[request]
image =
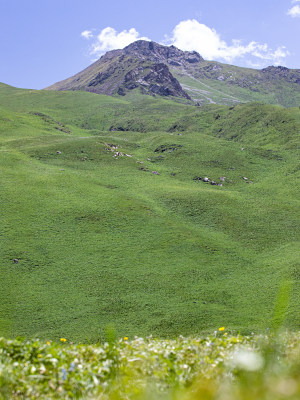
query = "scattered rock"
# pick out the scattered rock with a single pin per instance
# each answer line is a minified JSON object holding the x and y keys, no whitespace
{"x":58,"y":152}
{"x":111,"y":146}
{"x":207,"y":180}
{"x":155,"y":173}
{"x":173,"y":174}
{"x":16,"y":260}
{"x":245,"y":179}
{"x":118,"y":128}
{"x":169,"y":148}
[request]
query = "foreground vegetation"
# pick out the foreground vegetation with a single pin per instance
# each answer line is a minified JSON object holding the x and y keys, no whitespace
{"x":220,"y":367}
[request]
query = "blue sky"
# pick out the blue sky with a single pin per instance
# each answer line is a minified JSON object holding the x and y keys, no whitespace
{"x":44,"y":41}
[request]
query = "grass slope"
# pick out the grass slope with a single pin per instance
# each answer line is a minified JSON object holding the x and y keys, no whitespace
{"x":212,"y":82}
{"x":102,"y":240}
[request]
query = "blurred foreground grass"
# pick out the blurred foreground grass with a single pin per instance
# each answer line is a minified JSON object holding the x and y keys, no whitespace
{"x":220,"y":366}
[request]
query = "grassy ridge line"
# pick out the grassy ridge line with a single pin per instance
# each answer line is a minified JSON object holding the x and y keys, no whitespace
{"x":101,"y":241}
{"x":236,"y":85}
{"x":264,"y":125}
{"x":219,"y":366}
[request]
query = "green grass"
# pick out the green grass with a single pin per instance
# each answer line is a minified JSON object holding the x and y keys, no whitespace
{"x":102,"y":241}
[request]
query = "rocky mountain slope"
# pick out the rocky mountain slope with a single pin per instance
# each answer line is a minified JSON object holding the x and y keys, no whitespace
{"x":143,"y":65}
{"x":154,"y":69}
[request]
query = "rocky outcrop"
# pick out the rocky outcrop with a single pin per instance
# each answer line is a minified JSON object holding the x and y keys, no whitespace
{"x":280,"y":72}
{"x":155,"y":52}
{"x":155,"y":80}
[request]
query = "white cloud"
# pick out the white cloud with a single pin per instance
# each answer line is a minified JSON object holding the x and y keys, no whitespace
{"x":110,"y":39}
{"x":87,"y":34}
{"x":295,"y":1}
{"x":192,"y":35}
{"x":294,"y":11}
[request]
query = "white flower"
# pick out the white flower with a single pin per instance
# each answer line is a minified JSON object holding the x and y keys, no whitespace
{"x":248,"y":360}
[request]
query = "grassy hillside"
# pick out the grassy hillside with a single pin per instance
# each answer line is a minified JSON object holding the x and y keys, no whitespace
{"x":211,"y":82}
{"x":109,"y":223}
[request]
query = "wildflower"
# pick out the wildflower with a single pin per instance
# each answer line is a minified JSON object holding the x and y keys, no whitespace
{"x":125,"y":338}
{"x":222,"y":329}
{"x":63,"y":340}
{"x":64,"y":374}
{"x":72,"y":367}
{"x":48,"y":343}
{"x":248,"y":361}
{"x":225,"y":334}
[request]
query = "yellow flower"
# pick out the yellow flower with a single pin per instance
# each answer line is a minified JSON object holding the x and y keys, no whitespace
{"x":48,"y":343}
{"x":125,"y":338}
{"x":225,"y":334}
{"x":222,"y":328}
{"x":63,"y":340}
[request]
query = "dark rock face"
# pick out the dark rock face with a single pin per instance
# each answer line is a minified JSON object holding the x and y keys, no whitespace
{"x":100,"y":78}
{"x":167,"y":54}
{"x":282,"y":72}
{"x":155,"y":79}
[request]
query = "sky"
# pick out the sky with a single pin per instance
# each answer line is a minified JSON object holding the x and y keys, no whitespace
{"x":45,"y":41}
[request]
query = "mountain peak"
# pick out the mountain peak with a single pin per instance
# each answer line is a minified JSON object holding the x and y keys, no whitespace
{"x":156,"y":52}
{"x":141,"y":65}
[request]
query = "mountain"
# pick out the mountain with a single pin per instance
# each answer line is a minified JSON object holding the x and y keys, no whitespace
{"x":154,"y":69}
{"x":142,"y":64}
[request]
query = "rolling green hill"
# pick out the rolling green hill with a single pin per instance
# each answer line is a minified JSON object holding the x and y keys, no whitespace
{"x":107,"y":218}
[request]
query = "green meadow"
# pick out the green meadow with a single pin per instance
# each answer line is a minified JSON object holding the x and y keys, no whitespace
{"x":106,"y":220}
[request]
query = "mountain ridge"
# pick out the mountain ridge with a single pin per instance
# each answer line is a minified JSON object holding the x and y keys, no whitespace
{"x":185,"y":75}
